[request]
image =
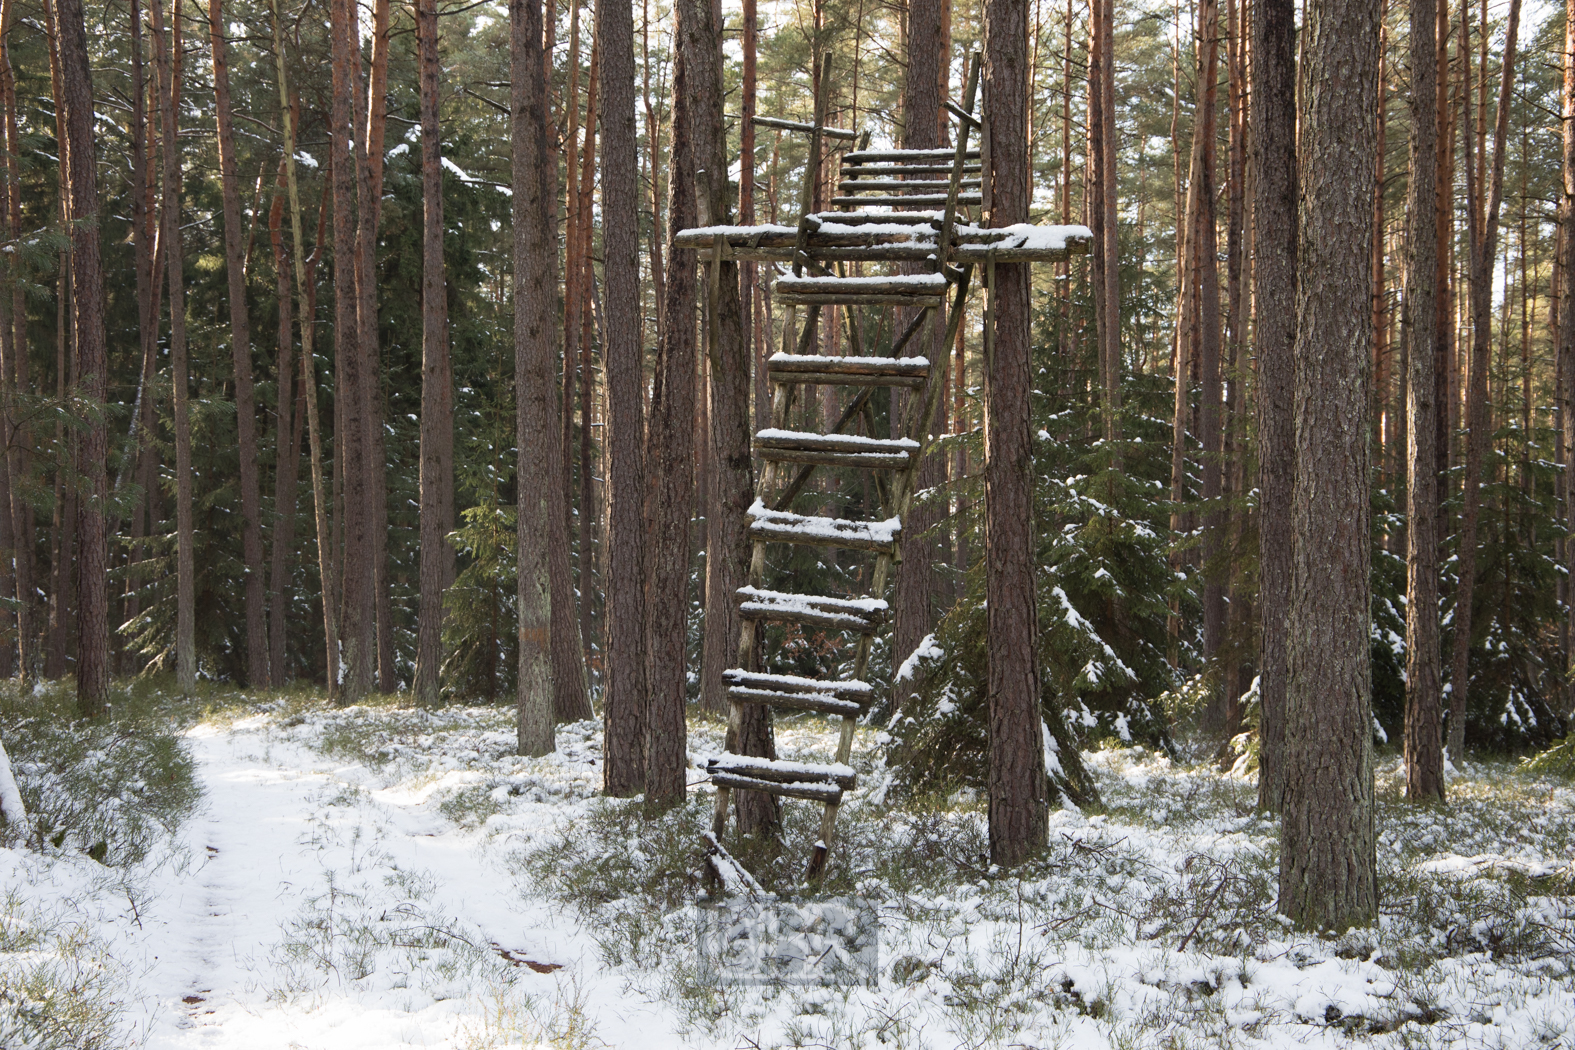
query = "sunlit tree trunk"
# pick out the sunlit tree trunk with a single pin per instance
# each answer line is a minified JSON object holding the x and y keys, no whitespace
{"x":169,"y":52}
{"x":1328,"y":866}
{"x":534,"y":352}
{"x":437,"y":398}
{"x":19,"y":509}
{"x":1017,"y":782}
{"x":1424,"y":701}
{"x":1484,"y":241}
{"x":1273,"y":144}
{"x":670,"y":497}
{"x":287,"y":446}
{"x":626,"y":686}
{"x":241,"y":354}
{"x":1566,"y":327}
{"x":359,"y":616}
{"x":308,"y":300}
{"x":370,"y":123}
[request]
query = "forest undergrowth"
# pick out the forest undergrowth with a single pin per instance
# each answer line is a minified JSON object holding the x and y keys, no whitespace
{"x":1150,"y":921}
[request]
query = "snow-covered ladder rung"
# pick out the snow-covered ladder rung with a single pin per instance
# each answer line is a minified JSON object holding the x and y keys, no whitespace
{"x":780,"y":526}
{"x":835,"y":450}
{"x":861,"y":615}
{"x":848,"y":371}
{"x":917,"y":200}
{"x":807,"y":792}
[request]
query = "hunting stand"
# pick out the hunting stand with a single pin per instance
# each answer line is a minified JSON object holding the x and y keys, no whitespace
{"x":919,"y":207}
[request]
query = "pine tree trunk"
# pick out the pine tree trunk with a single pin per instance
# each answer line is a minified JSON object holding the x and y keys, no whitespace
{"x":185,"y":603}
{"x":670,"y":496}
{"x":351,"y":453}
{"x":437,"y":399}
{"x":570,"y":700}
{"x":590,"y":496}
{"x":1105,"y":263}
{"x":921,"y":110}
{"x":1273,"y":143}
{"x":20,"y":511}
{"x":1018,"y":787}
{"x":1566,"y":326}
{"x":534,"y":353}
{"x":370,"y":123}
{"x":1484,"y":240}
{"x":241,"y":353}
{"x":287,"y":451}
{"x":307,"y":298}
{"x":87,"y":304}
{"x":1328,"y":867}
{"x":1424,"y":701}
{"x":626,"y":686}
{"x":1205,"y":252}
{"x":726,"y":567}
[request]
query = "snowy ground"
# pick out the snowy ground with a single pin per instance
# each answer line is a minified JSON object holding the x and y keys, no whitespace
{"x":385,"y":877}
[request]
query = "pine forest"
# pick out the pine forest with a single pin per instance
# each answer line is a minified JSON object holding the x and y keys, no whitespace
{"x":844,"y":523}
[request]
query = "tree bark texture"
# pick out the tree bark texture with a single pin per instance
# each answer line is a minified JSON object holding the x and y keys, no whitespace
{"x":1018,"y":789}
{"x":670,"y":494}
{"x":624,"y":709}
{"x":1273,"y":145}
{"x":168,"y":49}
{"x":21,"y":512}
{"x":1204,"y":244}
{"x":358,"y":595}
{"x":287,"y":443}
{"x":1105,"y":263}
{"x":1424,"y":701}
{"x":241,"y":354}
{"x":307,"y":300}
{"x":921,"y":110}
{"x":370,"y":123}
{"x":437,"y":397}
{"x":535,"y":354}
{"x":1328,"y":865}
{"x":1484,"y":244}
{"x":1566,"y":337}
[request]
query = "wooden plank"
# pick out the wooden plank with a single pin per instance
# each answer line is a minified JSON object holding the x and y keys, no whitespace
{"x":859,"y":692}
{"x":779,"y":772}
{"x":733,"y":876}
{"x":903,"y":185}
{"x":837,"y":613}
{"x":809,"y":792}
{"x":905,"y":169}
{"x":896,"y":284}
{"x":917,"y":200}
{"x":794,"y":125}
{"x":860,"y":460}
{"x":979,"y":253}
{"x":780,"y":527}
{"x":858,"y":299}
{"x":817,"y":702}
{"x":846,"y":379}
{"x":898,"y":367}
{"x":931,"y":220}
{"x":852,"y":443}
{"x":859,"y":156}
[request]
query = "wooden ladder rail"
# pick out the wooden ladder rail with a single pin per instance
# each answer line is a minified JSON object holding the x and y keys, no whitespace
{"x":781,"y":398}
{"x":917,"y":426}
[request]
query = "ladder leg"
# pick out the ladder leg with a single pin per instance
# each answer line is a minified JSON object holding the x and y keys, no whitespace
{"x":828,"y":816}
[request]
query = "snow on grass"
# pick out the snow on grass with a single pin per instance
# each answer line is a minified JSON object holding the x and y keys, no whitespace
{"x":386,"y":876}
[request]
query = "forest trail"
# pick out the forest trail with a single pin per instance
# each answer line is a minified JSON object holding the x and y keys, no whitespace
{"x":303,"y":877}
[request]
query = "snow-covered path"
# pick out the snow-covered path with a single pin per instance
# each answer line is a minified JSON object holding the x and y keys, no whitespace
{"x":298,"y":866}
{"x":358,"y":878}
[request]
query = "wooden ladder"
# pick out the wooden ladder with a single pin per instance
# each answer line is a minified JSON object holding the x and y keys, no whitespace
{"x":875,"y":222}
